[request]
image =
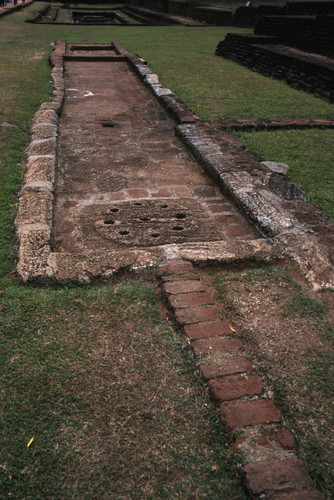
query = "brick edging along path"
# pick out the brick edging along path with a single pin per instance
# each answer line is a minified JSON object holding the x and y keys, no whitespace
{"x":272,"y":470}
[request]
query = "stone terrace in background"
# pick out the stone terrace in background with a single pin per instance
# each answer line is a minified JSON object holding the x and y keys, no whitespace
{"x":296,"y":48}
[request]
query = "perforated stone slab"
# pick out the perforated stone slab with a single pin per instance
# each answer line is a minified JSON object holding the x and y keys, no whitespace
{"x":146,"y":223}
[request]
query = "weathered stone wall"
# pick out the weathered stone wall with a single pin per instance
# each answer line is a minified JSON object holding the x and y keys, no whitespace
{"x":210,"y":15}
{"x":312,"y":34}
{"x":303,"y":72}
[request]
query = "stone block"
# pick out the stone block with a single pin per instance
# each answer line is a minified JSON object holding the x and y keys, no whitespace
{"x":243,"y":414}
{"x":40,"y":169}
{"x":225,"y":366}
{"x":35,"y":207}
{"x":236,"y":387}
{"x":174,"y":288}
{"x":184,"y":300}
{"x":218,"y":328}
{"x":175,"y":267}
{"x":42,"y":147}
{"x":216,"y":345}
{"x":191,"y":315}
{"x":275,"y":476}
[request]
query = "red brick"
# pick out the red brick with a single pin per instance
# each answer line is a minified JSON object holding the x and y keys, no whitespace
{"x":275,"y":476}
{"x":175,"y":267}
{"x":236,"y":387}
{"x":191,"y":315}
{"x":214,"y":345}
{"x":190,"y":299}
{"x":218,"y":328}
{"x":162,"y":193}
{"x":237,"y":230}
{"x":180,"y":277}
{"x":173,"y":288}
{"x":182,"y":191}
{"x":218,"y":206}
{"x":242,"y":414}
{"x":226,"y":219}
{"x":225,"y":366}
{"x":285,"y":439}
{"x":138,"y":193}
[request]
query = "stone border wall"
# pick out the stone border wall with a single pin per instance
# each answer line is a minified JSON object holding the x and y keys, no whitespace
{"x":264,"y":54}
{"x":35,"y":212}
{"x":210,"y":15}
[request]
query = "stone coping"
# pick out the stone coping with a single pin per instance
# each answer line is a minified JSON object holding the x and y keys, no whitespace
{"x":37,"y":261}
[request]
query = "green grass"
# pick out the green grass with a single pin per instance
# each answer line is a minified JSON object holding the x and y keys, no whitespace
{"x":106,"y":389}
{"x":310,"y":155}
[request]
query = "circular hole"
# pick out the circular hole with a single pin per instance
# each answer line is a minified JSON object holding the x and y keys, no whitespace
{"x":155,"y":235}
{"x":180,"y":216}
{"x":178,"y":228}
{"x":145,"y":219}
{"x":124,"y":232}
{"x":110,"y":221}
{"x":114,"y":210}
{"x":164,"y":206}
{"x":138,"y":204}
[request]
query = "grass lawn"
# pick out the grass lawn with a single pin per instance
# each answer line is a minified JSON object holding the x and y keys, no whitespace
{"x":97,"y":375}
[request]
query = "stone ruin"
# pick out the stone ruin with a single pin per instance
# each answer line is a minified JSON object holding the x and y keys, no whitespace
{"x":290,"y":46}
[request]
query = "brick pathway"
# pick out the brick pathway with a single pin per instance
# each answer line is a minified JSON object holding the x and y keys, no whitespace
{"x":273,"y":471}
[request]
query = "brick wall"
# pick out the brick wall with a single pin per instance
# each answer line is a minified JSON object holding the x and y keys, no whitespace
{"x":260,"y":54}
{"x":312,"y":34}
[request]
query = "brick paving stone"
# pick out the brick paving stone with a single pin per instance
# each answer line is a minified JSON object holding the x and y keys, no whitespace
{"x":214,"y":345}
{"x":190,"y":299}
{"x":180,"y":277}
{"x":173,"y":288}
{"x":218,"y":328}
{"x":236,"y":387}
{"x":182,"y":191}
{"x":217,"y":207}
{"x":227,"y":218}
{"x":191,"y":315}
{"x":162,"y":193}
{"x":275,"y":476}
{"x":138,"y":193}
{"x":225,"y":366}
{"x":174,"y":267}
{"x":237,"y":230}
{"x":243,"y":414}
{"x":285,"y":439}
{"x":117,"y":196}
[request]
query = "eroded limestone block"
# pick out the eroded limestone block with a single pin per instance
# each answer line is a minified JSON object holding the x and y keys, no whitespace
{"x":34,"y":252}
{"x":39,"y":147}
{"x":35,"y":207}
{"x":41,"y":169}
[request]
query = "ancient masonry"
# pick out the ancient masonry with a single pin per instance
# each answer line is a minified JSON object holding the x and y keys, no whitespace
{"x":109,"y":186}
